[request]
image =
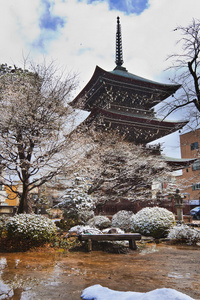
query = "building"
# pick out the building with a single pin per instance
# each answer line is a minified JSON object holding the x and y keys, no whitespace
{"x":8,"y":200}
{"x":122,"y":101}
{"x":190,"y":178}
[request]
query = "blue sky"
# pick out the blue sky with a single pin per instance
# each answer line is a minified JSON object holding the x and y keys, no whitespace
{"x":48,"y":20}
{"x":80,"y":34}
{"x":126,"y":6}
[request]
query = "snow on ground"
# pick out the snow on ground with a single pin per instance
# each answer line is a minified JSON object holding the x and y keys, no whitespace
{"x":98,"y":292}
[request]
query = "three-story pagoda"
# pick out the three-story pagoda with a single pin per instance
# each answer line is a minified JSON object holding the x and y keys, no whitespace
{"x":123,"y":101}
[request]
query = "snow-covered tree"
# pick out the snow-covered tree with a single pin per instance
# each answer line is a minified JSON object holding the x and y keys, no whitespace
{"x":119,"y":169}
{"x":33,"y":109}
{"x":76,"y":203}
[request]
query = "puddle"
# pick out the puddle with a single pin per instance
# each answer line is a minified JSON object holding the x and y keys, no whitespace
{"x":149,"y":249}
{"x":50,"y":276}
{"x":178,"y":275}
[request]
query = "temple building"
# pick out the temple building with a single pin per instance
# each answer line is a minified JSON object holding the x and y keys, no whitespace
{"x":119,"y":100}
{"x":123,"y":101}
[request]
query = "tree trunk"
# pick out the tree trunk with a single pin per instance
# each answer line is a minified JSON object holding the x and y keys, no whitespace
{"x":25,"y":203}
{"x":22,"y":203}
{"x":28,"y":207}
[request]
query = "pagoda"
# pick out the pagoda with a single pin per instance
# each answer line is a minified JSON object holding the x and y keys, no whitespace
{"x":124,"y":102}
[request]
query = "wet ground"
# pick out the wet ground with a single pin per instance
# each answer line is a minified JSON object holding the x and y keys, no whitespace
{"x":52,"y":276}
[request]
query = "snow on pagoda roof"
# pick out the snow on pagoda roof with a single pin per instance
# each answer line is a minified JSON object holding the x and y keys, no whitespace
{"x":125,"y":73}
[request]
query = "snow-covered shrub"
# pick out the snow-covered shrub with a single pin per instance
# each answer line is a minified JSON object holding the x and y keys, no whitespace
{"x":30,"y":227}
{"x":78,"y":206}
{"x":122,"y":219}
{"x":85,"y":215}
{"x":79,"y":229}
{"x":153,"y":221}
{"x":184,"y":234}
{"x":100,"y":222}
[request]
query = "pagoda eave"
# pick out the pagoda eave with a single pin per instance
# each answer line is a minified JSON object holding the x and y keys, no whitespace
{"x":128,"y":83}
{"x":137,"y":129}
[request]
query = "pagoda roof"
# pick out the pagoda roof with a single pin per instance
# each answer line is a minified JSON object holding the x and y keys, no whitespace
{"x":152,"y":92}
{"x":139,"y":129}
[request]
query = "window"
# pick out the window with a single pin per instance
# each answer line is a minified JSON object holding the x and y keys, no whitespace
{"x":196,"y":165}
{"x":195,"y":186}
{"x":194,"y":146}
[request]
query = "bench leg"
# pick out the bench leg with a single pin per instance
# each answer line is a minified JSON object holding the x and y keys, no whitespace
{"x":89,"y":245}
{"x":132,"y":245}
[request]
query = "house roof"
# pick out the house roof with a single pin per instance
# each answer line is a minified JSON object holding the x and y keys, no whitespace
{"x":178,"y":163}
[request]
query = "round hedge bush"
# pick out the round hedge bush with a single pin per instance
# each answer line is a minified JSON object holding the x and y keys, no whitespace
{"x":100,"y":222}
{"x":122,"y":219}
{"x":153,"y":221}
{"x":30,"y":228}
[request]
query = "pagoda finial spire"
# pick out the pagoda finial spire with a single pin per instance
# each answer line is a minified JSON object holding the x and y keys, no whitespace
{"x":119,"y":54}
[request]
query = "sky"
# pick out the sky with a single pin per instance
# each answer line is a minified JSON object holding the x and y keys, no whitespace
{"x":80,"y":34}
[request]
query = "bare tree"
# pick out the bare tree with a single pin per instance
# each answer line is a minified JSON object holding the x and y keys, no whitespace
{"x":33,"y":126}
{"x":186,"y":65}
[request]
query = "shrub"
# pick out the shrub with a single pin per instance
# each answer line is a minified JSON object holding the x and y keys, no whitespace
{"x":79,"y":229}
{"x":85,"y":215}
{"x":122,"y":219}
{"x":184,"y":234}
{"x":30,"y":228}
{"x":100,"y":222}
{"x":78,"y":206}
{"x":153,"y":221}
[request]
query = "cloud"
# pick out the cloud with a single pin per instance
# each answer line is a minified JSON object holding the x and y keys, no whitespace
{"x":82,"y":35}
{"x":49,"y":24}
{"x":79,"y":35}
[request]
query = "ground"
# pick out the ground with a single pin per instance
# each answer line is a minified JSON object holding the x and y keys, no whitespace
{"x":57,"y":275}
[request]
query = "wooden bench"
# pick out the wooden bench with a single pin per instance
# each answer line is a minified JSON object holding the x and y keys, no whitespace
{"x":131,"y":237}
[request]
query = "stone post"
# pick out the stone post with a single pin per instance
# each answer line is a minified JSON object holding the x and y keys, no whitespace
{"x":179,"y":206}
